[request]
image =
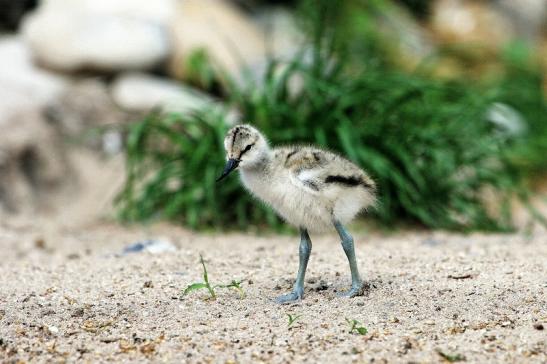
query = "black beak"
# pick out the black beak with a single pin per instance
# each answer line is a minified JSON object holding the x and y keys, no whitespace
{"x":231,"y":164}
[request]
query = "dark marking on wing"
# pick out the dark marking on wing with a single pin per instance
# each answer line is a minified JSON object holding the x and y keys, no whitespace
{"x":311,"y":185}
{"x":316,"y":156}
{"x":348,"y":181}
{"x":291,"y":153}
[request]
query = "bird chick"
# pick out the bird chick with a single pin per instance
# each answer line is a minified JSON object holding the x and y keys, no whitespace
{"x":310,"y":188}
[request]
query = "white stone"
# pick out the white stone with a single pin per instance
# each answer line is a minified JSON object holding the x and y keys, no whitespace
{"x":159,"y":11}
{"x":139,"y":92}
{"x":142,"y":92}
{"x":76,"y":35}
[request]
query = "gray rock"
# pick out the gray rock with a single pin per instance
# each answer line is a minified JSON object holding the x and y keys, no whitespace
{"x":138,"y":92}
{"x":142,"y":92}
{"x":152,"y":246}
{"x":87,"y":113}
{"x":230,"y":39}
{"x":33,"y":163}
{"x":22,"y":84}
{"x":84,"y":105}
{"x":527,"y":16}
{"x":236,"y":45}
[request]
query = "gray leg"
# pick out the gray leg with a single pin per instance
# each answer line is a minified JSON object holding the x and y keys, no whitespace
{"x":304,"y":256}
{"x":349,"y":249}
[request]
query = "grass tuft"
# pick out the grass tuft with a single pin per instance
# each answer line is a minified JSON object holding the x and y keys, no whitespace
{"x":211,"y":288}
{"x":431,"y":145}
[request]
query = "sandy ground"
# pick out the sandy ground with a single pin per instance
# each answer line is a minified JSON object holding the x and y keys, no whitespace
{"x":66,"y":295}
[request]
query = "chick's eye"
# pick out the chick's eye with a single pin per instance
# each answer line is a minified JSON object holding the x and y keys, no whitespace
{"x":247,"y":148}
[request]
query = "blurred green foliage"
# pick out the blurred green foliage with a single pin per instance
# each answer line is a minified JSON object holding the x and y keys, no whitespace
{"x":428,"y":143}
{"x":521,"y":89}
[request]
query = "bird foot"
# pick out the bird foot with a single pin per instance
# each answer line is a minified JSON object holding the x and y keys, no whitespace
{"x":356,"y":290}
{"x":290,"y":297}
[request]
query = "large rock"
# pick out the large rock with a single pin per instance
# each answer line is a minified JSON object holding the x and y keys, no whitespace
{"x":28,"y":165}
{"x":85,"y":105}
{"x":460,"y":21}
{"x":99,"y":35}
{"x":86,"y":112}
{"x":527,"y":16}
{"x":142,"y":93}
{"x":39,"y":112}
{"x":33,"y":164}
{"x":230,"y":39}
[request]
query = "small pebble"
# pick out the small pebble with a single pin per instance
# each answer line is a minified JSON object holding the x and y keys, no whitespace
{"x":40,"y":243}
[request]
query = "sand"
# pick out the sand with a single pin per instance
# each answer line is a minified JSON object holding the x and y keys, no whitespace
{"x":66,"y":295}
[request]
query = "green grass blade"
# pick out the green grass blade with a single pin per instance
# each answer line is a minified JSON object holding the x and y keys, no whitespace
{"x":194,"y":287}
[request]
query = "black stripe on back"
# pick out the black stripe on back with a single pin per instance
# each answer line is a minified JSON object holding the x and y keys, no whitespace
{"x":348,"y":181}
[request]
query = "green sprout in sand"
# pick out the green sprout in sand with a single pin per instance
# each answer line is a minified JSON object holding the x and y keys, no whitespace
{"x":292,"y":319}
{"x":355,"y":327}
{"x":211,"y":288}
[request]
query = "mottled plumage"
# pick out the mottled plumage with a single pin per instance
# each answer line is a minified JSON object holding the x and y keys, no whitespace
{"x":310,"y":188}
{"x":307,"y":186}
